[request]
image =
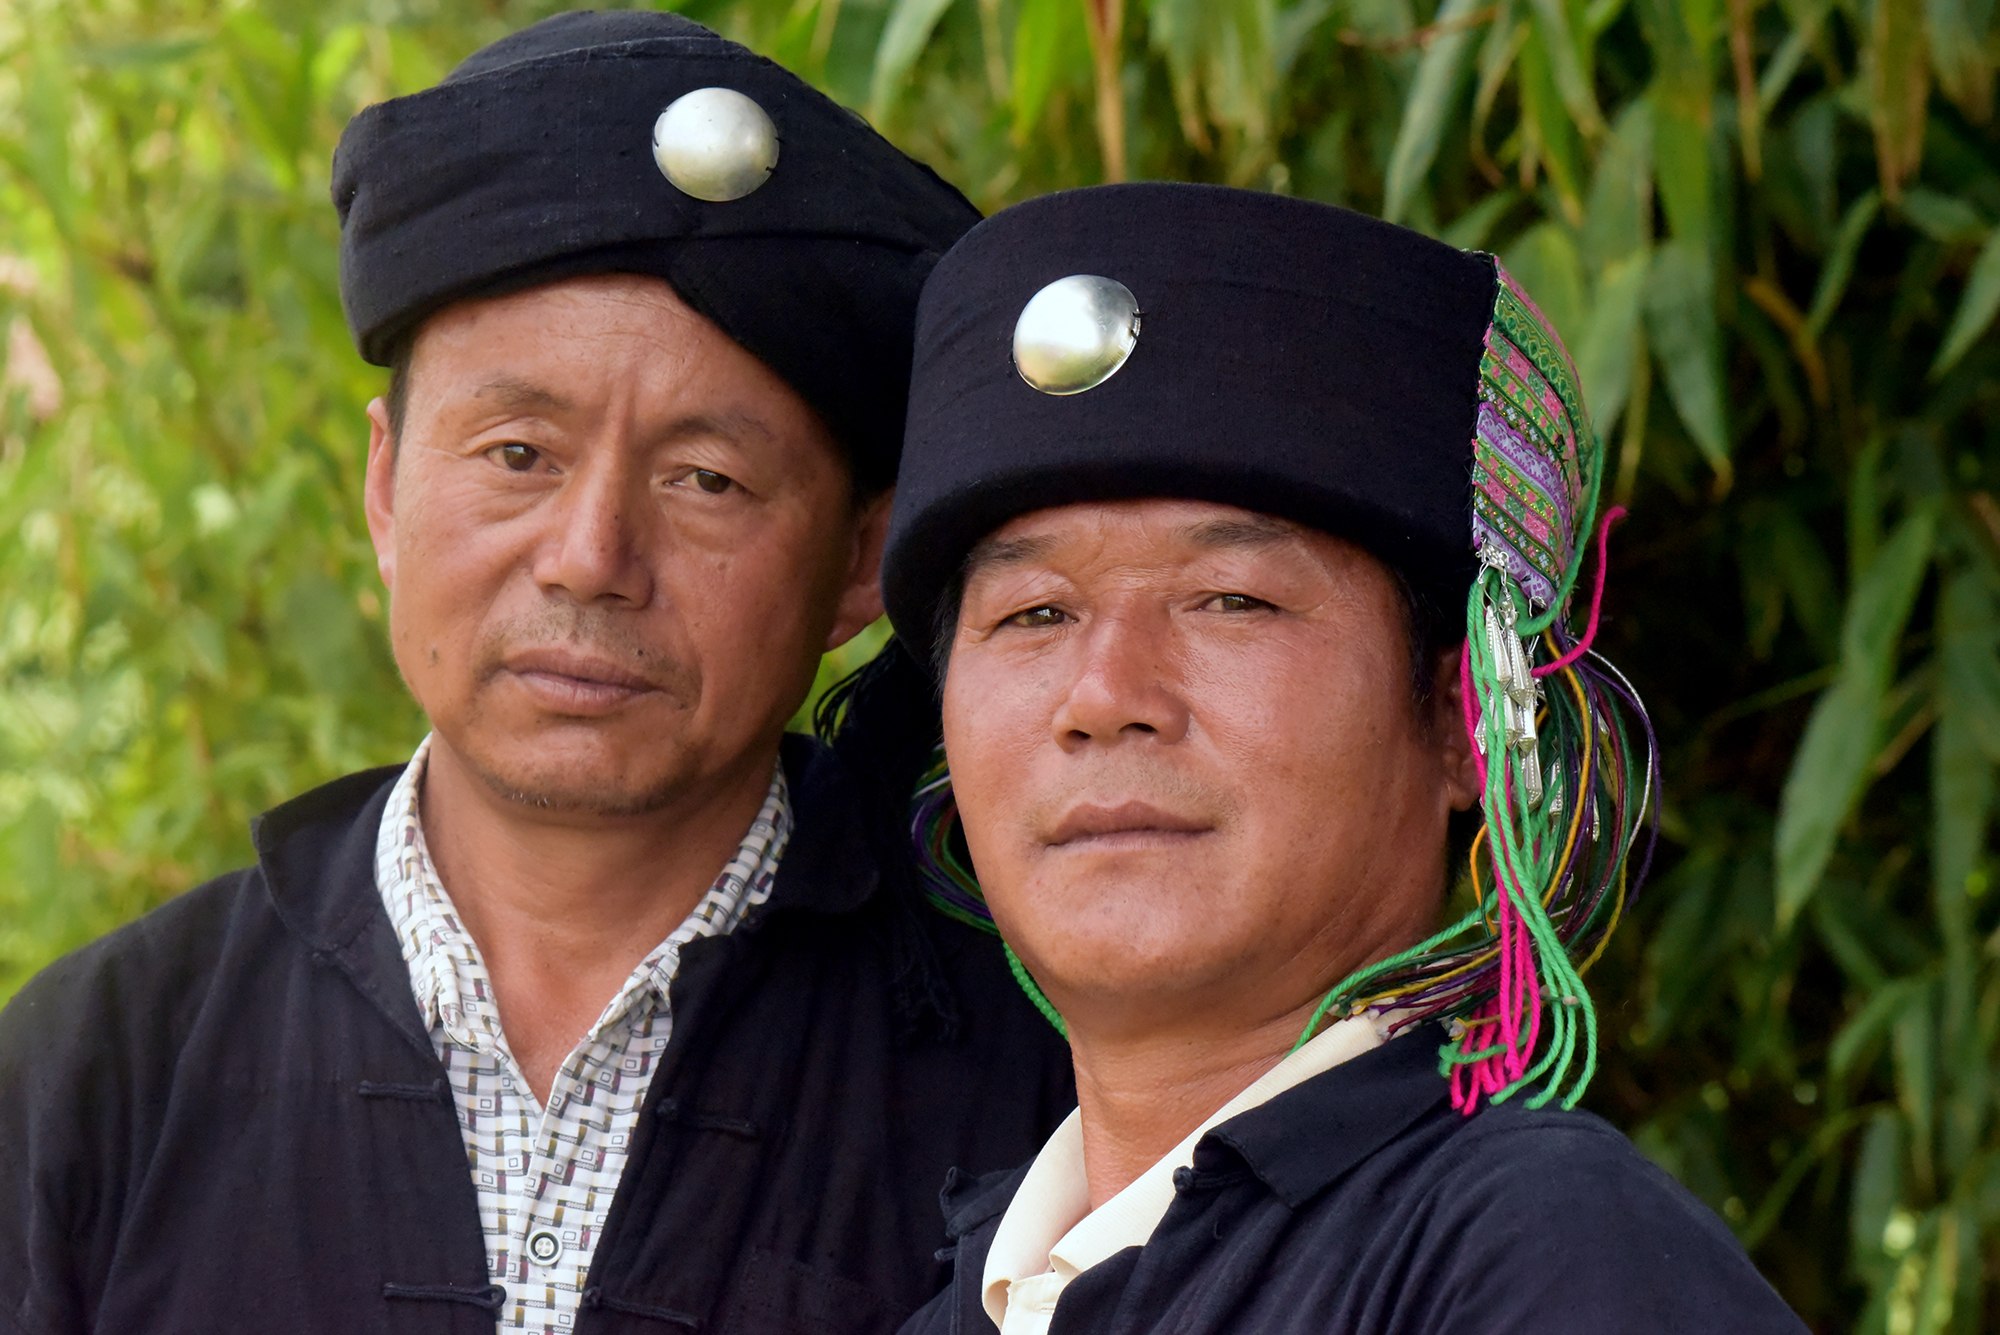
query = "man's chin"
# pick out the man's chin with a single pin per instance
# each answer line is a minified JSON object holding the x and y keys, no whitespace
{"x":1138,"y":962}
{"x":568,"y":799}
{"x":577,"y":784}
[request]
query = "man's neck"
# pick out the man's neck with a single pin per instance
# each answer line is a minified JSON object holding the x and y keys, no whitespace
{"x":564,"y":906}
{"x":1141,"y":1092}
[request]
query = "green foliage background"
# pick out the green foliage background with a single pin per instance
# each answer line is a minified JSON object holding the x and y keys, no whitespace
{"x":1766,"y":227}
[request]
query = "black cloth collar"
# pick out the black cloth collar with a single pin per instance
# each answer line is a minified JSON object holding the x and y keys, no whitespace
{"x":1297,"y":1144}
{"x":317,"y":853}
{"x":1302,"y":1141}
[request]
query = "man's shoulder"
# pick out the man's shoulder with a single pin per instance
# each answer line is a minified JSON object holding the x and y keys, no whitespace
{"x":147,"y":974}
{"x":134,"y":969}
{"x":1551,"y":1156}
{"x":1584,"y":1223}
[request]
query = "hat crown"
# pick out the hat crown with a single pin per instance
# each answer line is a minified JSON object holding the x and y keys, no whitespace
{"x":578,"y":30}
{"x":1296,"y":359}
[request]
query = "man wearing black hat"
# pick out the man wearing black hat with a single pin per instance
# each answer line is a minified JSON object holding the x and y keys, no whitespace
{"x":1197,"y":486}
{"x":615,"y":1009}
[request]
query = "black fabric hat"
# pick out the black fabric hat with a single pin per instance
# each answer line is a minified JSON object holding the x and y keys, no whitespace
{"x":1291,"y":358}
{"x":534,"y":161}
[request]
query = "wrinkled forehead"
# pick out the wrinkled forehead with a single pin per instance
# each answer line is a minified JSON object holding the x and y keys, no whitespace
{"x":1154,"y":530}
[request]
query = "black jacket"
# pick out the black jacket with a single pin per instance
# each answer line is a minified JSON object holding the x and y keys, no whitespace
{"x":228,"y":1116}
{"x":1359,"y":1203}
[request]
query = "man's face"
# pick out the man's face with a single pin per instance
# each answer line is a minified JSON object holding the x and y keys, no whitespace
{"x":616,"y":544}
{"x":1188,"y":760}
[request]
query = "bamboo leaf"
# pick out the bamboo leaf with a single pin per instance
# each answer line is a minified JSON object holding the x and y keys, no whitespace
{"x":904,"y":37}
{"x":1610,"y":346}
{"x":1049,"y":38}
{"x":1968,"y":633}
{"x":1470,"y":229}
{"x":1784,"y":62}
{"x":1935,"y":1301}
{"x":1878,"y":1183}
{"x":1433,"y":93}
{"x":1681,"y":157}
{"x":1941,"y":217}
{"x":1961,"y":58}
{"x":1975,"y":309}
{"x":1867,"y":1026}
{"x":1839,"y":266}
{"x":1962,"y":791}
{"x":1618,"y":219}
{"x":1545,"y":262}
{"x":1681,"y":324}
{"x":1913,"y":1038}
{"x":1551,"y":20}
{"x":42,"y":154}
{"x":1830,"y":770}
{"x":1898,"y":67}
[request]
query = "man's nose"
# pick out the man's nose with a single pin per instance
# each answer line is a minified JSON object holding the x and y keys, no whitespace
{"x":1126,"y":684}
{"x":595,"y":550}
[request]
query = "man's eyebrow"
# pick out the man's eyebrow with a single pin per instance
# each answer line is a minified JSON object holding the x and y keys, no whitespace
{"x":1249,"y":531}
{"x":1006,"y":552}
{"x":514,"y":394}
{"x":734,"y":424}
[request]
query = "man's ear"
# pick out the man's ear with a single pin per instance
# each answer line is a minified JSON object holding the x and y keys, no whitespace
{"x":378,"y":495}
{"x":1461,"y":774}
{"x":861,"y":595}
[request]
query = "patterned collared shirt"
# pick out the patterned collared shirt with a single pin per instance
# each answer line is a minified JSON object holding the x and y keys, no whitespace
{"x":545,"y":1176}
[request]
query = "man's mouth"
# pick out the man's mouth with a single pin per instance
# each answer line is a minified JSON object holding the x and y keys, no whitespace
{"x":566,"y":681}
{"x":1130,"y":823}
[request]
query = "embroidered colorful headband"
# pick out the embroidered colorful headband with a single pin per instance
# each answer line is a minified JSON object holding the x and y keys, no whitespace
{"x":1566,"y":754}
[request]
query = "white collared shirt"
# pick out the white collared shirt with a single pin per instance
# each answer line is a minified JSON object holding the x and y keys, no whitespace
{"x":1050,"y":1235}
{"x":545,"y":1176}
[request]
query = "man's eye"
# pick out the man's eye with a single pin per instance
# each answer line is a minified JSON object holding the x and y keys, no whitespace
{"x":1239,"y":602}
{"x":1036,"y":617}
{"x":711,"y":482}
{"x":515,"y":457}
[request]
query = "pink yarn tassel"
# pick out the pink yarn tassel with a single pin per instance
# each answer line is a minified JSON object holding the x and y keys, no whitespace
{"x":1516,"y":1012}
{"x":1611,"y":516}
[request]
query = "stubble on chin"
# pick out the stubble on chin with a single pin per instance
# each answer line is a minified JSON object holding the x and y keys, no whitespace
{"x":572,"y":795}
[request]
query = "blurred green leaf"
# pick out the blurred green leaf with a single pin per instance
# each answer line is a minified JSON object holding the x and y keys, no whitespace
{"x":1049,"y":39}
{"x":1619,"y":219}
{"x":1839,"y":267}
{"x":1968,"y":630}
{"x":1975,"y":309}
{"x":1791,"y":53}
{"x":1960,"y":54}
{"x":1877,"y":1184}
{"x":1876,"y":1018}
{"x":903,"y":40}
{"x":1559,"y":40}
{"x":1681,"y":323}
{"x":1545,"y":262}
{"x":1831,"y":767}
{"x":1432,"y":98}
{"x":1898,"y":67}
{"x":1943,"y":217}
{"x":1610,"y":345}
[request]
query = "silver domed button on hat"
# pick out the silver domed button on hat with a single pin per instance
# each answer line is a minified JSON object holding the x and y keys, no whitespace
{"x":1075,"y":333}
{"x":715,"y":144}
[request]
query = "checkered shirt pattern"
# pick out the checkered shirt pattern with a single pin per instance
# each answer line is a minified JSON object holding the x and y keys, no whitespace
{"x":545,"y":1176}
